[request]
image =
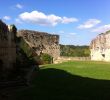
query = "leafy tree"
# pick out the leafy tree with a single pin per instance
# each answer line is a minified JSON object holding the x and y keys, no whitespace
{"x":74,"y":51}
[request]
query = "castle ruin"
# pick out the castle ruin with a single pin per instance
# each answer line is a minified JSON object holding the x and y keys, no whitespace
{"x":100,"y":47}
{"x":42,"y":42}
{"x":7,"y":46}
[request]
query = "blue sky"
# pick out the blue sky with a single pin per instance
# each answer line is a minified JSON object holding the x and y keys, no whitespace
{"x":76,"y":21}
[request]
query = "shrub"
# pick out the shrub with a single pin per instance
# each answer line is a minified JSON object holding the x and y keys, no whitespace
{"x":46,"y":58}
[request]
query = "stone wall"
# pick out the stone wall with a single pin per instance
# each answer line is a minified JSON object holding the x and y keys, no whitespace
{"x":100,"y":47}
{"x":7,"y":47}
{"x":66,"y":59}
{"x":42,"y":42}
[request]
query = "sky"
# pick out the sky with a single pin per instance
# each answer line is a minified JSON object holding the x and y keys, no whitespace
{"x":77,"y":22}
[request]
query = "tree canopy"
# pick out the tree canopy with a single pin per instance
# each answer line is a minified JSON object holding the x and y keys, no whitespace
{"x":74,"y":51}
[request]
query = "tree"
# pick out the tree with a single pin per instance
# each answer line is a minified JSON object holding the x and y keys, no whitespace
{"x":74,"y":51}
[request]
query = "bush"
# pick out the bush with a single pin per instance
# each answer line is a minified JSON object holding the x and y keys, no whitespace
{"x":46,"y":58}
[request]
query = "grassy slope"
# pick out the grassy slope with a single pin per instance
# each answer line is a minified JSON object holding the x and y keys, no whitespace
{"x":70,"y":81}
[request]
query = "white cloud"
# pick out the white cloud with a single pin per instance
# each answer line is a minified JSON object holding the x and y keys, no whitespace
{"x":102,"y":29}
{"x":66,"y":20}
{"x":40,"y":18}
{"x":69,"y":35}
{"x":65,"y":33}
{"x":61,"y":31}
{"x":72,"y":33}
{"x":18,"y":21}
{"x":6,"y":17}
{"x":19,"y":6}
{"x":89,"y":24}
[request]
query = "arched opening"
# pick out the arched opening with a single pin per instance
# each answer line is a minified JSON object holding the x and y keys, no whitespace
{"x":103,"y":55}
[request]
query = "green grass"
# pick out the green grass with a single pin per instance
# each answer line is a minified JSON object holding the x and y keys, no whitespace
{"x":76,"y":80}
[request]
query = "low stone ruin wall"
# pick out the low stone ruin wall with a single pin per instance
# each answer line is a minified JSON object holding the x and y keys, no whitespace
{"x":65,"y":59}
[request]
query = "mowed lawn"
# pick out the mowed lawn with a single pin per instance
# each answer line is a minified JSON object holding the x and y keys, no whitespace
{"x":77,"y":80}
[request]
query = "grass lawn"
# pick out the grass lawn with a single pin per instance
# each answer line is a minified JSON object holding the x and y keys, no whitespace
{"x":76,"y":80}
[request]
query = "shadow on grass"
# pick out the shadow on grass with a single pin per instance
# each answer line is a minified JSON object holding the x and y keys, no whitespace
{"x":55,"y":84}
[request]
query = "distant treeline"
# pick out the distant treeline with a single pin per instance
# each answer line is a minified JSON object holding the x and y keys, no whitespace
{"x":74,"y":51}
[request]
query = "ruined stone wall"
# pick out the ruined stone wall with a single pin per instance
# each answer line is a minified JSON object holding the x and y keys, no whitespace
{"x":7,"y":47}
{"x":42,"y":42}
{"x":100,"y":47}
{"x":66,"y":59}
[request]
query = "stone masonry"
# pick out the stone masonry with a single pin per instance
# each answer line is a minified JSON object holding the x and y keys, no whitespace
{"x":7,"y":47}
{"x":100,"y":47}
{"x":42,"y":42}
